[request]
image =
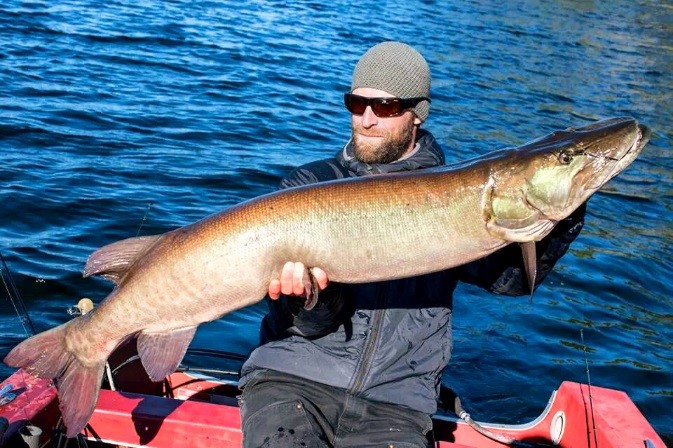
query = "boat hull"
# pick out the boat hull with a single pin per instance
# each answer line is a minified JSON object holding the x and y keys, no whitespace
{"x":200,"y":411}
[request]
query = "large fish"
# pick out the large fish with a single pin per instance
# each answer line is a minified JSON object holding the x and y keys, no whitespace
{"x":358,"y":230}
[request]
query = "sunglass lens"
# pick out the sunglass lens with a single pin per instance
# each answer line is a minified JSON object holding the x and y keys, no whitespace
{"x":355,"y":104}
{"x":386,"y":107}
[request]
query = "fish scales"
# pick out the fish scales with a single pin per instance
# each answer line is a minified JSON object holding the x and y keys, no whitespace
{"x":357,"y":230}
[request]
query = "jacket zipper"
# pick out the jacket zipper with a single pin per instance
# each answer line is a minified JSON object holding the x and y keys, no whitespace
{"x":367,"y":355}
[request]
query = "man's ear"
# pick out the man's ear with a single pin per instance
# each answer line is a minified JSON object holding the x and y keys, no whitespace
{"x":417,"y":121}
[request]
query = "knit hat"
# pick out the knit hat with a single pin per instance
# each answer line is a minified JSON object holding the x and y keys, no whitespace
{"x":398,"y":69}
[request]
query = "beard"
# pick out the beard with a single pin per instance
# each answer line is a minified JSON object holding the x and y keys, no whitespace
{"x":391,"y":147}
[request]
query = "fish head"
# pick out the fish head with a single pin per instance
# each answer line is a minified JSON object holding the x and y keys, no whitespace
{"x":563,"y":169}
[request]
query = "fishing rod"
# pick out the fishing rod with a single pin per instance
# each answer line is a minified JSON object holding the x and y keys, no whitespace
{"x":591,"y":402}
{"x":8,"y":393}
{"x":15,"y":298}
{"x":147,"y":211}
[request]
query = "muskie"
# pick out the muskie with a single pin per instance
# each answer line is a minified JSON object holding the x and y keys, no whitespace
{"x":358,"y":230}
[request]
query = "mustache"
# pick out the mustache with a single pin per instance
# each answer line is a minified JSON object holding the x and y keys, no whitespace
{"x":359,"y":130}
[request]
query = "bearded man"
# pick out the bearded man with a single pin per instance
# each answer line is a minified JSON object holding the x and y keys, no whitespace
{"x":363,"y":367}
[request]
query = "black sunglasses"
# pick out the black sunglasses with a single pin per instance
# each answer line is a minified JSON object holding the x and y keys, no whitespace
{"x":382,"y":107}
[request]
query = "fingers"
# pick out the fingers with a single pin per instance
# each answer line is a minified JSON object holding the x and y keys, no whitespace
{"x":320,"y":277}
{"x":298,"y":286}
{"x":292,"y":280}
{"x":274,"y":289}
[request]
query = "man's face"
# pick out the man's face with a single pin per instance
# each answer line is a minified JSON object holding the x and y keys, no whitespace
{"x":382,"y":140}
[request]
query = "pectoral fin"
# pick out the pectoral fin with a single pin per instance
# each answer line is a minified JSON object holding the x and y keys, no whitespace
{"x":161,"y":353}
{"x":530,"y":263}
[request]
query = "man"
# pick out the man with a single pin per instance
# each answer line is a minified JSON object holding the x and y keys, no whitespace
{"x":363,"y":368}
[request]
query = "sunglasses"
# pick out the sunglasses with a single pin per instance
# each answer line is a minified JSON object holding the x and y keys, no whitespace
{"x":382,"y":107}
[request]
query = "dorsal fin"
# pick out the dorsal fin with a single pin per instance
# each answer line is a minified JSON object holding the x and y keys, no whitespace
{"x":114,"y":260}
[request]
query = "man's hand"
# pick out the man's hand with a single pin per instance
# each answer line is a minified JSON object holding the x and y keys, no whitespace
{"x":295,"y":280}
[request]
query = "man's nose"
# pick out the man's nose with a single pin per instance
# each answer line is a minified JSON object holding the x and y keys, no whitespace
{"x":369,"y":118}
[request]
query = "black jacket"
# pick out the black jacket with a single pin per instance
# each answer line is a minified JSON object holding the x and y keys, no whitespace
{"x":387,"y":341}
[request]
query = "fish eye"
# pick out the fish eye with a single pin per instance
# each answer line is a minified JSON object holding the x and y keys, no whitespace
{"x":565,"y":157}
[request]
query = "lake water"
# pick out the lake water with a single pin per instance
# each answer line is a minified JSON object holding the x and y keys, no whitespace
{"x":126,"y":117}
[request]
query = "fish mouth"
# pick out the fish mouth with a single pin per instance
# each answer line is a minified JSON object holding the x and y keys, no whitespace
{"x":645,"y":134}
{"x":625,"y":160}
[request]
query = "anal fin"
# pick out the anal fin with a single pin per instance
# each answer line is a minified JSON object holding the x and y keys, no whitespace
{"x":161,"y":353}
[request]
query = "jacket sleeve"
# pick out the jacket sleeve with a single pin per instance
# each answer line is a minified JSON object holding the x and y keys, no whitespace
{"x":503,"y":272}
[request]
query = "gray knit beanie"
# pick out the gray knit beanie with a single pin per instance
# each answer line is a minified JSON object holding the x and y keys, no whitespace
{"x":395,"y":68}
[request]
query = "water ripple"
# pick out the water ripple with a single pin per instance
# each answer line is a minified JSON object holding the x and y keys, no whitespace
{"x":122,"y":117}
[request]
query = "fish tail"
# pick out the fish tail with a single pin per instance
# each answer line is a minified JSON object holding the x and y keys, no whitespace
{"x":45,"y":355}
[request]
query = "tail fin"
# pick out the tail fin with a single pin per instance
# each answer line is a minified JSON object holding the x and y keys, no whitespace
{"x":46,"y":356}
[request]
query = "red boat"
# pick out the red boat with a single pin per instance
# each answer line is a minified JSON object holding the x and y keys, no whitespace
{"x":196,"y":410}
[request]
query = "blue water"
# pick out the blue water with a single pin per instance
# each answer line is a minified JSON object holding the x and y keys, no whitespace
{"x":122,"y":117}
